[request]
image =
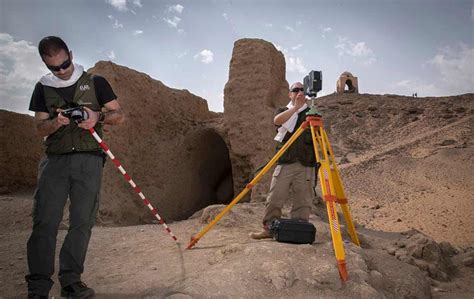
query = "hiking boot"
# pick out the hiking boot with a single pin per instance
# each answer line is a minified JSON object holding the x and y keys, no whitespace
{"x":77,"y":290}
{"x":35,"y":296}
{"x":264,"y":234}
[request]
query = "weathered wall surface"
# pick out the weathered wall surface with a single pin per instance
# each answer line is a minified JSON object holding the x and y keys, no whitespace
{"x":20,"y":151}
{"x":256,"y":87}
{"x":166,"y":146}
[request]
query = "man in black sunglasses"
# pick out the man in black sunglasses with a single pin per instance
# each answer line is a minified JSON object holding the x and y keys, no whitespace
{"x":71,"y":168}
{"x":294,"y":174}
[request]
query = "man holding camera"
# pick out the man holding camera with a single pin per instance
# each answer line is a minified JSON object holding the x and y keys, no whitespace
{"x":71,"y":168}
{"x":295,"y":170}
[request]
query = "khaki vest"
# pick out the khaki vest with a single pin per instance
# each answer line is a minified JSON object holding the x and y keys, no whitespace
{"x":71,"y":138}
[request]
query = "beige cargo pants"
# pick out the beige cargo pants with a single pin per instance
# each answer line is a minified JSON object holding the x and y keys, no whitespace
{"x":290,"y":181}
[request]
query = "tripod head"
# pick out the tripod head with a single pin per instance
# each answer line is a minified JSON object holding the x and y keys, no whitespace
{"x":313,"y":82}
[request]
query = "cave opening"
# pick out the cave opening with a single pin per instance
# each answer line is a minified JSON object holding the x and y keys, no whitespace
{"x":212,"y":168}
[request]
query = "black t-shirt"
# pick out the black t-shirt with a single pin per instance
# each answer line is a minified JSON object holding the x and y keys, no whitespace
{"x":103,"y":91}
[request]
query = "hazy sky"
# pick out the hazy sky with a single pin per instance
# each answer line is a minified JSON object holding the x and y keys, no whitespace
{"x":397,"y":47}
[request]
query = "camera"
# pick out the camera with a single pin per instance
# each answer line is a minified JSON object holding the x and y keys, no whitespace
{"x":77,"y":114}
{"x":313,"y":83}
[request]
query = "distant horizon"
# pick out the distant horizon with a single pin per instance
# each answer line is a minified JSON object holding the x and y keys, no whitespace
{"x":393,"y":47}
{"x":318,"y":96}
{"x":30,"y":113}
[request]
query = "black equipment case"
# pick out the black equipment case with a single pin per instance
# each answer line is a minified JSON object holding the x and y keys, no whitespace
{"x":293,"y":231}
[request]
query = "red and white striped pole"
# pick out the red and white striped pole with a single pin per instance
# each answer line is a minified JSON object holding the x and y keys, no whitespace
{"x":130,"y":181}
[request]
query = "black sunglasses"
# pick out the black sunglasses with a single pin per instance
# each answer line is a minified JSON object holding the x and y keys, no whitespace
{"x":63,"y":66}
{"x":297,"y":89}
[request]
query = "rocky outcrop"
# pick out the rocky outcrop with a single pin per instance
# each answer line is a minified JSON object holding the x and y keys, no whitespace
{"x":255,"y":88}
{"x":417,"y":249}
{"x":169,"y":147}
{"x":268,"y":268}
{"x":21,"y":150}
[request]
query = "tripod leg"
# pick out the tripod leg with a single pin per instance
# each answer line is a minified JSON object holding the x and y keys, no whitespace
{"x":244,"y":192}
{"x":329,"y":196}
{"x":340,"y":194}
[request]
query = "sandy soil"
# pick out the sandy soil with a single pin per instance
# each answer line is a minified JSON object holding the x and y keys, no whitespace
{"x":144,"y":262}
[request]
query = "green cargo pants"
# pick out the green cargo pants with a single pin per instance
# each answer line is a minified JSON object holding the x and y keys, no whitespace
{"x":77,"y":176}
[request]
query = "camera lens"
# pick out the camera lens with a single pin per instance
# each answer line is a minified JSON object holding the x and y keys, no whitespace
{"x":76,"y":115}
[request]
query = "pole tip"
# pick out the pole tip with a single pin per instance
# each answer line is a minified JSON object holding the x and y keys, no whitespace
{"x":192,"y":243}
{"x":342,"y":270}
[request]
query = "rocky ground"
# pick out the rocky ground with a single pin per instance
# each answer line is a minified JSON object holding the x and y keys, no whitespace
{"x":144,"y":262}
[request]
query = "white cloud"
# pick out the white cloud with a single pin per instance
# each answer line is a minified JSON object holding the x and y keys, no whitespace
{"x":116,"y":23}
{"x":456,"y":68}
{"x":172,"y":19}
{"x":20,"y":69}
{"x":173,"y":22}
{"x":341,"y":46}
{"x":289,"y":28}
{"x":404,"y":83}
{"x":294,"y":64}
{"x":297,"y":47}
{"x":181,"y":55}
{"x":206,"y":56}
{"x":111,"y":55}
{"x":359,"y":51}
{"x":325,"y":30}
{"x":410,"y":86}
{"x":268,"y":25}
{"x":453,"y":74}
{"x":178,"y":8}
{"x":137,"y":32}
{"x":229,"y":21}
{"x":137,"y":3}
{"x":121,"y":5}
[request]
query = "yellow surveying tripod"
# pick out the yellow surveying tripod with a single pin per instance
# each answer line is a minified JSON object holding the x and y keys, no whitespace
{"x":331,"y":187}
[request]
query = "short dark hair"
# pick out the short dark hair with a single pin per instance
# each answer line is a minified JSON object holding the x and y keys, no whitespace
{"x":51,"y":45}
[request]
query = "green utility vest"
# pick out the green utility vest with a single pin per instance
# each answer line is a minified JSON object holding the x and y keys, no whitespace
{"x":71,"y":138}
{"x":302,"y":149}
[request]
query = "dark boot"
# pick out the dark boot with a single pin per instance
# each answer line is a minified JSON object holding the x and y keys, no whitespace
{"x":77,"y":290}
